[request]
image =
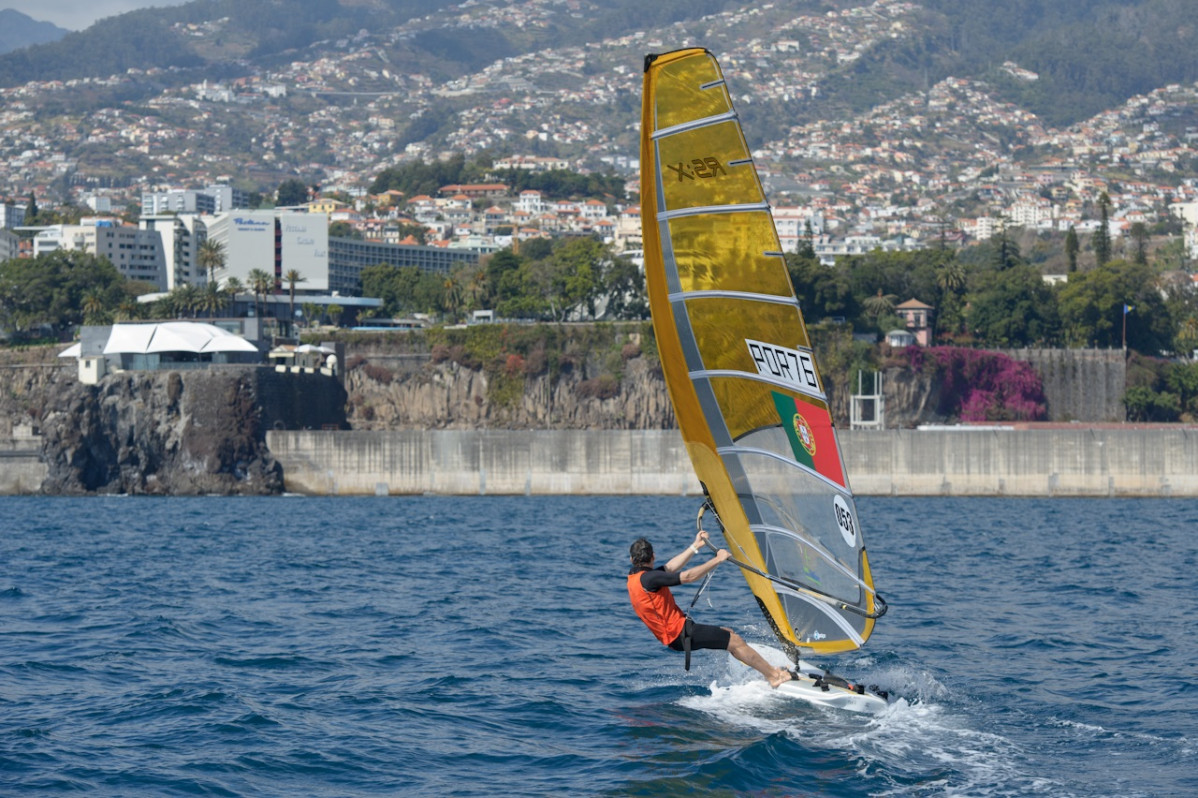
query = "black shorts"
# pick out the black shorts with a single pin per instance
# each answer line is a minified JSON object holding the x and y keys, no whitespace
{"x":705,"y":636}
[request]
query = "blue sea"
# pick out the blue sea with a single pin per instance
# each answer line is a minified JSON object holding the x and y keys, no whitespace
{"x":483,"y":646}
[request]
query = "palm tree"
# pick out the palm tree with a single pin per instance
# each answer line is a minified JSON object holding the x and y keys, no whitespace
{"x":94,"y":311}
{"x":262,"y":283}
{"x":292,"y":277}
{"x":233,"y":287}
{"x":184,"y":299}
{"x":210,"y":299}
{"x":211,"y":256}
{"x":880,"y":304}
{"x":127,"y":310}
{"x":311,"y":313}
{"x":453,"y":296}
{"x":951,"y":277}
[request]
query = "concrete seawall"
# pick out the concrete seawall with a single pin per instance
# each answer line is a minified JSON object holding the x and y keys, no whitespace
{"x":22,"y":470}
{"x":1075,"y":461}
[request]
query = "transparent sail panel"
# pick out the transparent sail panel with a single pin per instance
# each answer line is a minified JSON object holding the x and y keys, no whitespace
{"x":686,"y":89}
{"x":707,"y":166}
{"x":727,"y":252}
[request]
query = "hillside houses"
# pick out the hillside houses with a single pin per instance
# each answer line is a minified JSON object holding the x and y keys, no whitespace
{"x":486,"y":216}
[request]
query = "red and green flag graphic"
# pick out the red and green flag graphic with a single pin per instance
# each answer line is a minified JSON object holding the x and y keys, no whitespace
{"x":812,"y":439}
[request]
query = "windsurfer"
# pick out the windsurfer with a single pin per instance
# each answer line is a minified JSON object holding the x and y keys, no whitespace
{"x":649,"y":590}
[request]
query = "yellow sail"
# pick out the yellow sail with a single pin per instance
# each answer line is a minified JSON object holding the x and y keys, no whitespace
{"x":741,"y":374}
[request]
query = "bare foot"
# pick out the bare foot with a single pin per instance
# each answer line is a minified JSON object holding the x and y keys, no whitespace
{"x":781,"y":675}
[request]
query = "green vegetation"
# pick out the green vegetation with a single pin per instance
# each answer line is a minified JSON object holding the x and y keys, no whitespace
{"x":550,"y":280}
{"x":1161,"y":390}
{"x":510,"y":354}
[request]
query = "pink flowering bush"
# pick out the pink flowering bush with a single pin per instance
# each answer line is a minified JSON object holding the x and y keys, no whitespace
{"x":976,"y":385}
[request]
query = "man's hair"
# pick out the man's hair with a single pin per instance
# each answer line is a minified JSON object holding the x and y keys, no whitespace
{"x":641,"y":552}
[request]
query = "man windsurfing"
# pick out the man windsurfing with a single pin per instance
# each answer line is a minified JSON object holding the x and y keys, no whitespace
{"x":649,"y":591}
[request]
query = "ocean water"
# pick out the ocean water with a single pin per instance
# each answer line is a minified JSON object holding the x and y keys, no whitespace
{"x":437,"y":646}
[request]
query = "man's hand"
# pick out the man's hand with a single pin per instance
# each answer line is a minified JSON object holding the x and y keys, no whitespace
{"x":700,"y":539}
{"x":722,"y":554}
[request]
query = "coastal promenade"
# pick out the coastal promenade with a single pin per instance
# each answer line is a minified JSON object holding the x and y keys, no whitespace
{"x":1016,"y":460}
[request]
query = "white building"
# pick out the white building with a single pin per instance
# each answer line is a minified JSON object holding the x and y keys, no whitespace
{"x":1188,"y":213}
{"x":11,"y":215}
{"x":275,"y":242}
{"x":530,"y":201}
{"x":181,"y":238}
{"x":8,"y":245}
{"x":218,"y":198}
{"x":791,"y":223}
{"x":1030,"y":212}
{"x":137,"y":253}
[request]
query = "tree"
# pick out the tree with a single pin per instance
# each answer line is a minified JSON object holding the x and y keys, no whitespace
{"x":50,"y":290}
{"x":1092,"y":305}
{"x":291,"y":192}
{"x":211,"y":256}
{"x":210,"y":300}
{"x":880,"y":305}
{"x":951,"y":280}
{"x":624,"y":290}
{"x":1012,"y":307}
{"x":1071,"y":248}
{"x":183,"y":300}
{"x":407,"y":289}
{"x":311,"y":313}
{"x":94,"y":310}
{"x":1139,"y":238}
{"x":233,"y":287}
{"x":822,"y":291}
{"x":807,"y":243}
{"x":262,"y":283}
{"x":1101,"y":240}
{"x":292,"y":278}
{"x":452,"y":297}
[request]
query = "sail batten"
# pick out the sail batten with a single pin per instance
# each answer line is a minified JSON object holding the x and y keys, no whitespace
{"x":706,"y":374}
{"x":666,"y":216}
{"x":750,"y":402}
{"x":696,"y":123}
{"x":725,"y":294}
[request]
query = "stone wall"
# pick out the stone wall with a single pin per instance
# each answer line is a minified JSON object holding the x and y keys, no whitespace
{"x":996,"y":461}
{"x":1080,"y":384}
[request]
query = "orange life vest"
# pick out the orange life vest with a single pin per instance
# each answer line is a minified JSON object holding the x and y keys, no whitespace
{"x":657,"y":609}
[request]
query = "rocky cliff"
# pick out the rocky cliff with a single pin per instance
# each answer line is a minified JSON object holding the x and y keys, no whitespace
{"x":449,"y":395}
{"x":166,"y":432}
{"x":401,"y":392}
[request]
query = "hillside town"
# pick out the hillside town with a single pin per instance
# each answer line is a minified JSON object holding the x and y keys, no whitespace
{"x":950,"y":161}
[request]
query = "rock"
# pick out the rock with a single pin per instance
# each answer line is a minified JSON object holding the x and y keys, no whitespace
{"x":179,"y":433}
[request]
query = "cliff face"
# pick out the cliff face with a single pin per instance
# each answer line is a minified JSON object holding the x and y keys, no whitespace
{"x":177,"y":433}
{"x":415,"y":393}
{"x":420,"y":394}
{"x":166,"y":432}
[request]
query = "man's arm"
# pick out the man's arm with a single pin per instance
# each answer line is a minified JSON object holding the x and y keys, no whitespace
{"x":679,"y":561}
{"x":699,"y":571}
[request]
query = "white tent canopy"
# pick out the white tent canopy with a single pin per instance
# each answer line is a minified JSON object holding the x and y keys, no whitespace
{"x":173,"y":336}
